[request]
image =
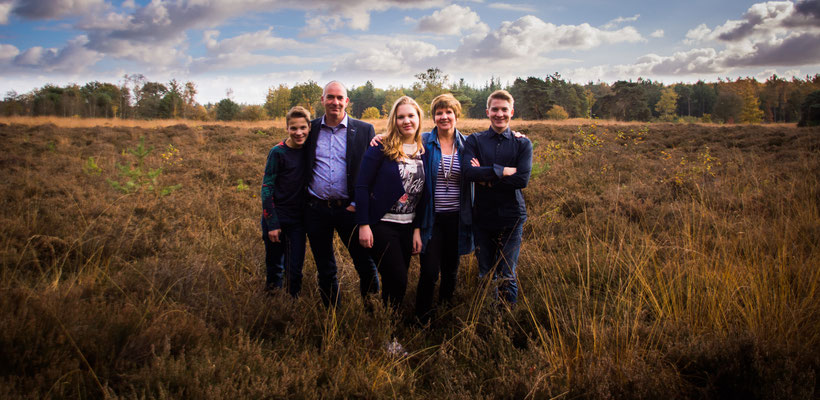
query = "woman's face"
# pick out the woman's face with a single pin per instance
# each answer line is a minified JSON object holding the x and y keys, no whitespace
{"x":407,"y":120}
{"x":445,"y":119}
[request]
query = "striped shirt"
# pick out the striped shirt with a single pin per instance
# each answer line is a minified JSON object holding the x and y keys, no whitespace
{"x":448,"y":183}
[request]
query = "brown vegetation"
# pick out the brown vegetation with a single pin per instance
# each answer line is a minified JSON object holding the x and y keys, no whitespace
{"x":658,"y":261}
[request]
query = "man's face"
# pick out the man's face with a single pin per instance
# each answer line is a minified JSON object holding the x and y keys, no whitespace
{"x":499,"y":112}
{"x":335,"y":100}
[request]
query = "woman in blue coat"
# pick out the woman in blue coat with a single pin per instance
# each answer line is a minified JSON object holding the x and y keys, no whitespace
{"x":445,"y":226}
{"x":390,"y":198}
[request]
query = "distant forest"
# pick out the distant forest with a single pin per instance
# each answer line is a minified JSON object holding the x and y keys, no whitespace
{"x":744,"y":100}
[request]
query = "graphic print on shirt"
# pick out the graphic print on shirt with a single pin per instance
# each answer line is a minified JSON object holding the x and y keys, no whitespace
{"x":411,"y":172}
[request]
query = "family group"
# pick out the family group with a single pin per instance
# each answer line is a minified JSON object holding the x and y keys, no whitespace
{"x":438,"y":194}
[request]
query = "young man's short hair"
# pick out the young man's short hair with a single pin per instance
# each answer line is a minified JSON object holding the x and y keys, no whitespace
{"x":297,"y":112}
{"x":501,"y":95}
{"x":446,"y":100}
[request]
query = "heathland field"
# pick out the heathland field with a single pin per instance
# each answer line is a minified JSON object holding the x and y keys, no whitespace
{"x":659,"y":261}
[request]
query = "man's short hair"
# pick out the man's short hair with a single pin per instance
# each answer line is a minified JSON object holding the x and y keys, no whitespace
{"x":446,"y":100}
{"x":501,"y":95}
{"x":324,"y":90}
{"x":297,"y":112}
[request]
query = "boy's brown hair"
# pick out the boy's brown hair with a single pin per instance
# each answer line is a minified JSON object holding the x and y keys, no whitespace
{"x":501,"y":95}
{"x":297,"y":112}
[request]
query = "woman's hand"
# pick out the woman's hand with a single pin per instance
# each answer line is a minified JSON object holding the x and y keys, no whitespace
{"x":365,"y":236}
{"x":274,"y":235}
{"x":377,"y":140}
{"x":416,"y":241}
{"x":474,"y":162}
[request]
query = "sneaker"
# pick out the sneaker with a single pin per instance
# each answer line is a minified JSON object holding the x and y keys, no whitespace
{"x":395,"y":349}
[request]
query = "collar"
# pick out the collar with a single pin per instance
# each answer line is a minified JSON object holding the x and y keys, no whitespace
{"x":343,"y":123}
{"x":506,"y":134}
{"x":432,"y":137}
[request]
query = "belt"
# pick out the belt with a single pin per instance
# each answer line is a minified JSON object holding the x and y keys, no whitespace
{"x":330,"y":203}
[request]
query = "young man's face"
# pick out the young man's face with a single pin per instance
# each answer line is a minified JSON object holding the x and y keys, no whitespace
{"x":335,"y":100}
{"x":500,"y":111}
{"x":298,"y":129}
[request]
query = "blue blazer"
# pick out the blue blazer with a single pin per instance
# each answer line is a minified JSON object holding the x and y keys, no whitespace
{"x":359,"y":134}
{"x":379,"y":186}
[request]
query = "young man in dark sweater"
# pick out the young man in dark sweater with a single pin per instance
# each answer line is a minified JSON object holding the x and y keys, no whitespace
{"x":500,"y":163}
{"x":283,"y":203}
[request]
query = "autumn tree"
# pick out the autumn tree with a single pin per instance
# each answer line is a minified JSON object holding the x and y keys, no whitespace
{"x":371,"y":113}
{"x":277,"y":102}
{"x":428,"y":85}
{"x":390,"y":96}
{"x":557,"y":113}
{"x":308,"y":95}
{"x":667,"y":105}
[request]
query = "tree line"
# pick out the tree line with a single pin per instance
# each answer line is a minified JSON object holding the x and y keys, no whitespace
{"x":743,"y":100}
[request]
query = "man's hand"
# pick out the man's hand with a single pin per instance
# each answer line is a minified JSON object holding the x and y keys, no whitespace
{"x":274,"y":235}
{"x":377,"y":140}
{"x":509,"y":171}
{"x":365,"y":236}
{"x":351,"y":208}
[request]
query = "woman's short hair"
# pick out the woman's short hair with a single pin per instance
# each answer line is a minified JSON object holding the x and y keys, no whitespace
{"x":446,"y":100}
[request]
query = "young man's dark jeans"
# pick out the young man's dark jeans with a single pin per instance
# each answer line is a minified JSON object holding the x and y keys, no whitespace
{"x":322,"y":218}
{"x":285,"y":258}
{"x":497,"y":254}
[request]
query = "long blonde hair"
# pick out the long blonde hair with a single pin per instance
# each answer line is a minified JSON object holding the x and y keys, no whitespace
{"x":393,"y":142}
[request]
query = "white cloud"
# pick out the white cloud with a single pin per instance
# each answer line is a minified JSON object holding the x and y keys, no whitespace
{"x":617,"y":21}
{"x":8,"y":52}
{"x":5,"y":10}
{"x":238,"y":51}
{"x":513,"y":7}
{"x":248,"y":42}
{"x":452,"y":20}
{"x":698,"y":34}
{"x":530,"y":36}
{"x":518,"y":47}
{"x":657,"y":34}
{"x":72,"y":58}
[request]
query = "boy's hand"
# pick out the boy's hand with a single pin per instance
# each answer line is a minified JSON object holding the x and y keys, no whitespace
{"x":509,"y":171}
{"x":377,"y":140}
{"x":365,"y":236}
{"x":274,"y":235}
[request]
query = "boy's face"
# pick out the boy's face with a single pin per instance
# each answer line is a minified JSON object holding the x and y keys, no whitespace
{"x":298,"y":129}
{"x":500,"y":111}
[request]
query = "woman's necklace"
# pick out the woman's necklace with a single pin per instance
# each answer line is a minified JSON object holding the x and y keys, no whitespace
{"x":449,"y":171}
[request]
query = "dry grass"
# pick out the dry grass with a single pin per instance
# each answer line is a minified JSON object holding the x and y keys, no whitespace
{"x":659,"y":261}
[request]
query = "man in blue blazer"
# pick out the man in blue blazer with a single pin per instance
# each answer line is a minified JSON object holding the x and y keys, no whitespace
{"x":335,"y":147}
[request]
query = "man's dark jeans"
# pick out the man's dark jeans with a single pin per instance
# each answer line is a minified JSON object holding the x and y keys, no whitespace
{"x":322,"y":217}
{"x":497,"y":254}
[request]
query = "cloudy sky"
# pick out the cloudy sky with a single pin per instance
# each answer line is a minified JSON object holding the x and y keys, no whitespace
{"x":250,"y":45}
